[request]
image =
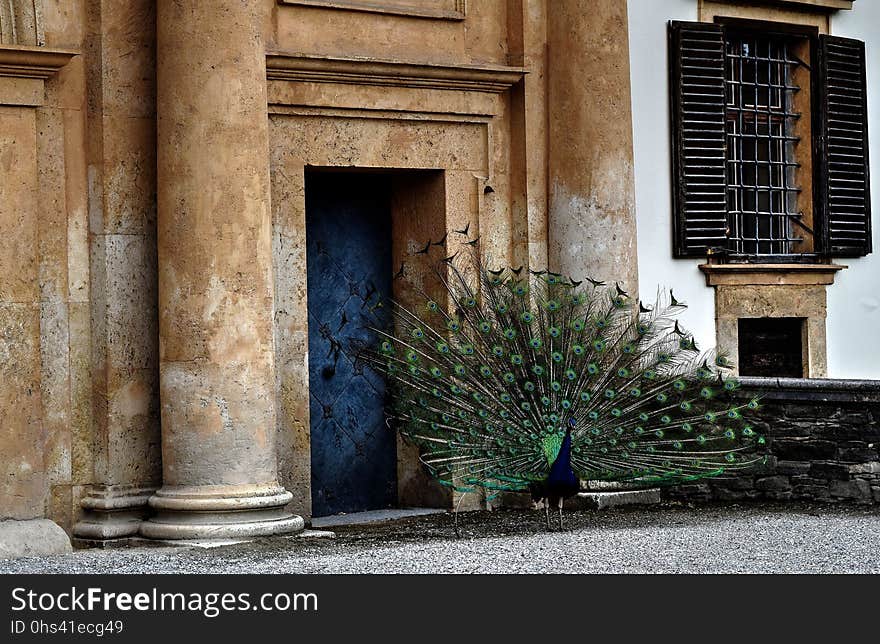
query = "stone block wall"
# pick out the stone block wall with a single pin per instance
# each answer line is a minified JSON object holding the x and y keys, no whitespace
{"x":823,"y":441}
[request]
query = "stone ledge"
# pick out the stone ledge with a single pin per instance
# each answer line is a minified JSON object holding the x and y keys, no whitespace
{"x":813,"y":389}
{"x":32,"y":538}
{"x":769,"y":274}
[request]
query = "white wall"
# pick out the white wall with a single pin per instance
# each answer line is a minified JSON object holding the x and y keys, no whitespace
{"x":853,"y":325}
{"x":649,"y":78}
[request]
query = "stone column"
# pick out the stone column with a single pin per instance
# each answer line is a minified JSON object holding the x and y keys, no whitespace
{"x":217,"y":382}
{"x":592,"y":224}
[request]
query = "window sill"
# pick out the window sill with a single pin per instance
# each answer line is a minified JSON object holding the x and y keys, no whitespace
{"x":769,"y":274}
{"x":817,"y":5}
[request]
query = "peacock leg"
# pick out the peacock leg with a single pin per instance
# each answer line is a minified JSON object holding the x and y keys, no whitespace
{"x":547,"y":511}
{"x":560,"y":514}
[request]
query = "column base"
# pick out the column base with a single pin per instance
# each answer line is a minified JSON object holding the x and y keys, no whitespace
{"x":112,"y":512}
{"x":220,"y":512}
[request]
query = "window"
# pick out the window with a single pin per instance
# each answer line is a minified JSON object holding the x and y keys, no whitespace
{"x":771,"y":347}
{"x":769,"y":143}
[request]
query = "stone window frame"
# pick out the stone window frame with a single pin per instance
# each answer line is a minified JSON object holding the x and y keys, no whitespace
{"x":773,"y":290}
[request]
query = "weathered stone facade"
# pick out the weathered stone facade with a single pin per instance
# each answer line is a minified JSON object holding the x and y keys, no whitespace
{"x":154,"y":374}
{"x":823,"y":444}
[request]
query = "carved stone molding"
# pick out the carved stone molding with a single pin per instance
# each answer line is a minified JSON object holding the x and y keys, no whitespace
{"x":356,"y":71}
{"x":769,"y":274}
{"x":24,"y":70}
{"x":32,"y":62}
{"x":818,"y":5}
{"x":21,"y":22}
{"x":436,"y":9}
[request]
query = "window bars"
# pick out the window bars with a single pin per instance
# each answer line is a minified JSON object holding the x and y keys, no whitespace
{"x":762,"y":189}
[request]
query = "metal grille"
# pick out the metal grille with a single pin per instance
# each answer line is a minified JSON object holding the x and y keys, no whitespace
{"x":762,"y":170}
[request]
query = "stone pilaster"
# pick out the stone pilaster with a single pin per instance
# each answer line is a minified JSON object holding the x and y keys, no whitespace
{"x":592,"y":224}
{"x":217,"y":381}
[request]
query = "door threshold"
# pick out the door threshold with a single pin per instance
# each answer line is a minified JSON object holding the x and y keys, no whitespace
{"x":372,"y":516}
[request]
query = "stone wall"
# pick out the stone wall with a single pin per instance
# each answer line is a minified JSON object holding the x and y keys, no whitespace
{"x":823,"y":438}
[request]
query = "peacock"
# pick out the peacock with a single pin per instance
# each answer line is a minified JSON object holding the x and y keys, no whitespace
{"x":519,"y":380}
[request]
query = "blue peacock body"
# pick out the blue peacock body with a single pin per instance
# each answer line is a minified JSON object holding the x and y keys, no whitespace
{"x":530,"y":381}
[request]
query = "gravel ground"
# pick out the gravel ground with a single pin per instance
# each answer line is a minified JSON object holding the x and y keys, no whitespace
{"x":668,"y":538}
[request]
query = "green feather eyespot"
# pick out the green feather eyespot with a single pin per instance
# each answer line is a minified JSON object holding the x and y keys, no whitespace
{"x":485,"y":371}
{"x":436,"y":372}
{"x":610,"y":393}
{"x":644,"y":417}
{"x":577,"y":299}
{"x":525,"y":406}
{"x":418,"y":334}
{"x":501,"y":308}
{"x":662,"y":398}
{"x":535,"y":343}
{"x":619,"y":302}
{"x":498,"y":351}
{"x":526,"y":317}
{"x":731,"y":385}
{"x":545,"y":401}
{"x":442,"y":347}
{"x":552,"y":305}
{"x":730,"y":458}
{"x":555,"y":386}
{"x":687,"y":427}
{"x":623,"y":372}
{"x":659,"y":433}
{"x":435,"y":426}
{"x":577,"y":350}
{"x":528,"y":385}
{"x":505,"y":398}
{"x":566,"y":404}
{"x":665,"y":419}
{"x":733,"y":414}
{"x":470,"y":302}
{"x":748,"y":431}
{"x":485,"y":327}
{"x":707,"y":392}
{"x":483,"y":413}
{"x":414,"y":370}
{"x":599,"y":346}
{"x":455,"y":389}
{"x":592,"y":369}
{"x":446,"y":418}
{"x":554,"y":331}
{"x":629,"y":348}
{"x":509,"y":333}
{"x":412,"y":356}
{"x":460,"y":370}
{"x":642,"y":328}
{"x":685,"y":406}
{"x":552,"y":280}
{"x":516,"y":359}
{"x":709,"y":417}
{"x":467,"y":349}
{"x":577,"y":325}
{"x":649,"y":374}
{"x":616,"y":412}
{"x":663,"y":358}
{"x":677,"y":445}
{"x":601,"y":323}
{"x":753,"y":404}
{"x":571,"y":374}
{"x":761,"y":440}
{"x":585,"y":396}
{"x":520,"y":289}
{"x":635,"y":392}
{"x":593,"y":415}
{"x":453,"y":325}
{"x":679,"y":385}
{"x":556,"y":357}
{"x":386,"y":347}
{"x":639,"y":430}
{"x":509,"y":378}
{"x":538,"y":370}
{"x":433,"y":306}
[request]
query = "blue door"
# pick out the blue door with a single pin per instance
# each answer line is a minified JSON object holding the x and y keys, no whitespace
{"x":348,"y":239}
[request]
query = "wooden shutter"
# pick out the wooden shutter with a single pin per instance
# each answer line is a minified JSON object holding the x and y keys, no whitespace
{"x":844,"y":200}
{"x":699,"y":165}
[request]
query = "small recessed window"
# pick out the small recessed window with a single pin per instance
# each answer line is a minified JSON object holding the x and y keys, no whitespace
{"x":771,"y":347}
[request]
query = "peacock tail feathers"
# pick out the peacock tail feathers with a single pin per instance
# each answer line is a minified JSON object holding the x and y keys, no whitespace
{"x":488,"y":380}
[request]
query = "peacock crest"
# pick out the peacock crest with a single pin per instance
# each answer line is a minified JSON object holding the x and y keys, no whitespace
{"x":491,"y":378}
